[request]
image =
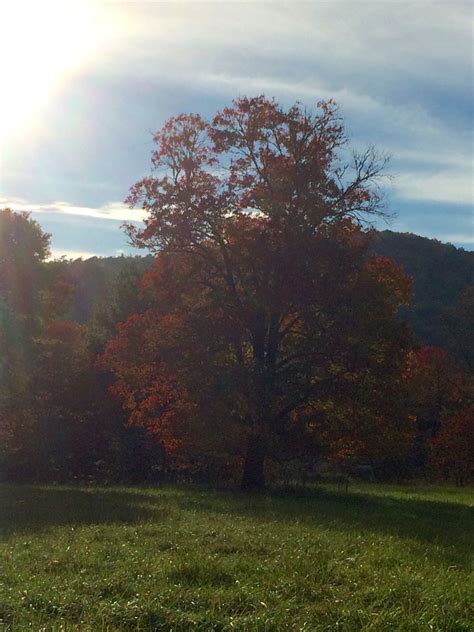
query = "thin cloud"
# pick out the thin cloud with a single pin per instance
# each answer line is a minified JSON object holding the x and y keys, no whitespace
{"x":465,"y":239}
{"x":59,"y":253}
{"x":442,"y":186}
{"x":112,"y":210}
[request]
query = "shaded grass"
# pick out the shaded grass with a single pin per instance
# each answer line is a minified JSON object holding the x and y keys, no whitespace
{"x":171,"y":558}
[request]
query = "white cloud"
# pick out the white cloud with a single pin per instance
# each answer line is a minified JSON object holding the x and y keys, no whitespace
{"x":298,"y":90}
{"x":458,"y":238}
{"x":451,"y":186}
{"x":111,"y":210}
{"x":57,"y":253}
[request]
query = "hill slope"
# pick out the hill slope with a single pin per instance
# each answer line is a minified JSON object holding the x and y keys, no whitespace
{"x":441,"y":274}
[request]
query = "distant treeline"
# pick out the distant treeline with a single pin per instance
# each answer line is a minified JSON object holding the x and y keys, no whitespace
{"x":441,"y":273}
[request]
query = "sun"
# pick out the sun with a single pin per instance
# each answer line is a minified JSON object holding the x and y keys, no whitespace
{"x":41,"y":43}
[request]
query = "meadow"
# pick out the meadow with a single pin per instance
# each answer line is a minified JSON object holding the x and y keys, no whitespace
{"x":179,"y":558}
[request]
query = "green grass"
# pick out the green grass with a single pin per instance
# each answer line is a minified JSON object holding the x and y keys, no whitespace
{"x":377,"y":558}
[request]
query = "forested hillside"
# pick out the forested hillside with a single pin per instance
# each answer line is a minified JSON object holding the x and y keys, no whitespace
{"x":95,"y":279}
{"x":441,"y":275}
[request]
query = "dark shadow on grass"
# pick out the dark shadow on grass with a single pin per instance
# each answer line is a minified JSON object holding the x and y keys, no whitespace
{"x":30,"y":508}
{"x":446,"y":525}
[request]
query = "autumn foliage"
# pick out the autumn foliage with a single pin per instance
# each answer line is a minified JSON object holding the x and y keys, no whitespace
{"x":452,"y":449}
{"x":266,"y":331}
{"x":262,"y":285}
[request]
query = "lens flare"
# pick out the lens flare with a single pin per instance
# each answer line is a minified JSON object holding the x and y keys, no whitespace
{"x":41,"y":43}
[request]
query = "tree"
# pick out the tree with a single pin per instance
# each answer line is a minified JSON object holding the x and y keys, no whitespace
{"x":438,"y":388}
{"x":365,"y":416}
{"x":459,"y":324}
{"x":23,"y":247}
{"x":32,"y":297}
{"x":117,"y":302}
{"x":452,"y":450}
{"x":254,"y":220}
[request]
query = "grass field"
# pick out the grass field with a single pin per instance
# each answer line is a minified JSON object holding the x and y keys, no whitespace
{"x":376,"y":558}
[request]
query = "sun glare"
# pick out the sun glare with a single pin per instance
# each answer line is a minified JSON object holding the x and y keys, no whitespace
{"x":40,"y":44}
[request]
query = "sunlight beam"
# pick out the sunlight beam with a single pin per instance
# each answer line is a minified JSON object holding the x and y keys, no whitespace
{"x":41,"y":44}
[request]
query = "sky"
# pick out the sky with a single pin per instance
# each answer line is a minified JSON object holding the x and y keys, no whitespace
{"x":86,"y":83}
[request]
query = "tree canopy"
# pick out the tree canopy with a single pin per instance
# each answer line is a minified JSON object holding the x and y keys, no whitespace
{"x":256,"y":341}
{"x":262,"y":278}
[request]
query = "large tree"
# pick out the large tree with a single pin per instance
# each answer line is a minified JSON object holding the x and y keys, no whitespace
{"x":265,"y":296}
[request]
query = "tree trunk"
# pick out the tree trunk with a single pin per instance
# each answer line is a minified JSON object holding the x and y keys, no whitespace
{"x":253,"y":477}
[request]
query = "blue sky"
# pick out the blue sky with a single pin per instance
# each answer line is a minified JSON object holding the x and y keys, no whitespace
{"x":91,"y":81}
